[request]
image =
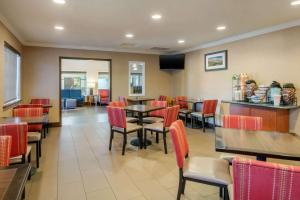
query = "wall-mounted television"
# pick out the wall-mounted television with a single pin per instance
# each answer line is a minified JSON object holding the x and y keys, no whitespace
{"x":171,"y":62}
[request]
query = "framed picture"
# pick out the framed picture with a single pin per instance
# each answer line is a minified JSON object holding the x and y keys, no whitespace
{"x":216,"y":61}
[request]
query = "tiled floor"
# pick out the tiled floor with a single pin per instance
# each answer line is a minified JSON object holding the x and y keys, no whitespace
{"x":77,"y":165}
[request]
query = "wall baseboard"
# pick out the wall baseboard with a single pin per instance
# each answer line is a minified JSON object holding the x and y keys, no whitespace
{"x":54,"y":124}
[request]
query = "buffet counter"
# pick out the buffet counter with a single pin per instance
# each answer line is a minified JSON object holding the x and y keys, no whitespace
{"x":275,"y":118}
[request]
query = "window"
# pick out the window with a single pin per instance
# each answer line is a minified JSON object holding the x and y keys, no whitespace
{"x":12,"y":76}
{"x":103,"y":80}
{"x":74,"y":80}
{"x":136,"y":78}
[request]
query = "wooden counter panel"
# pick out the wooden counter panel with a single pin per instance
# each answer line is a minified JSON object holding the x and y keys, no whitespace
{"x":273,"y":119}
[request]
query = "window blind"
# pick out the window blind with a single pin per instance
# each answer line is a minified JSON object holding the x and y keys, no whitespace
{"x":11,"y":77}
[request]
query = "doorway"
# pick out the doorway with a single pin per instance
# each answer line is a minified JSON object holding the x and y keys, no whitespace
{"x":84,"y":82}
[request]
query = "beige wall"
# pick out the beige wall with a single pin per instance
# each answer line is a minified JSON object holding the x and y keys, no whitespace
{"x":274,"y":56}
{"x":6,"y":36}
{"x":40,"y":76}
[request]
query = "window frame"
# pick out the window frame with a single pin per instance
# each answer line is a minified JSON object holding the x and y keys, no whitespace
{"x":143,"y":78}
{"x":19,"y":96}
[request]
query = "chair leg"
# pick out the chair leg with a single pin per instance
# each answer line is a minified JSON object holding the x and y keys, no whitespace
{"x":214,"y":125}
{"x":157,"y":138}
{"x":179,"y":192}
{"x":221,"y":192}
{"x":111,"y":138}
{"x":37,"y":155}
{"x":185,"y":118}
{"x":40,"y":148}
{"x":165,"y":142}
{"x":226,"y":195}
{"x":192,"y":121}
{"x":124,"y":144}
{"x":29,"y":157}
{"x":183,"y":186}
{"x":145,"y":139}
{"x":203,"y":123}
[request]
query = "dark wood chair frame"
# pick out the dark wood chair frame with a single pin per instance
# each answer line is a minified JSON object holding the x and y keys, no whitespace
{"x":164,"y":132}
{"x":203,"y":121}
{"x":186,"y":114}
{"x":38,"y":147}
{"x":124,"y":133}
{"x":182,"y":181}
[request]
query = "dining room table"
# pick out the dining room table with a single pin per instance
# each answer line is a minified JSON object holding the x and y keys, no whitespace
{"x":29,"y":120}
{"x":139,"y":100}
{"x":141,"y":110}
{"x":13,"y":180}
{"x":262,"y":144}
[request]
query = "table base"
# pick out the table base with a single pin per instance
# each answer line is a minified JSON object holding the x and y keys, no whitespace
{"x":136,"y":142}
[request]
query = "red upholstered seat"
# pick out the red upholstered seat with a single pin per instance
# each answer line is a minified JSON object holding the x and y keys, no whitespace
{"x":242,"y":122}
{"x":170,"y":116}
{"x":158,"y":113}
{"x":123,"y":99}
{"x":43,"y":102}
{"x":5,"y":149}
{"x":257,"y":180}
{"x":30,"y":112}
{"x":18,"y":133}
{"x":120,"y":104}
{"x":180,"y":100}
{"x":117,"y":121}
{"x":205,"y":170}
{"x":162,"y":98}
{"x":104,"y":96}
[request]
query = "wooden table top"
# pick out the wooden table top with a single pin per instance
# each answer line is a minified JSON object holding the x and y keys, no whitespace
{"x":258,"y":143}
{"x":30,"y":120}
{"x":140,"y":99}
{"x":143,"y":108}
{"x":13,"y":180}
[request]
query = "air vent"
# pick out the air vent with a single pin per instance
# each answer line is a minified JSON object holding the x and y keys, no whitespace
{"x":160,"y":49}
{"x":128,"y":45}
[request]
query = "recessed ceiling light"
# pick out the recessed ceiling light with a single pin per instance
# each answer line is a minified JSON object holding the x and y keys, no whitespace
{"x":221,"y":28}
{"x":156,"y":16}
{"x":60,"y":28}
{"x":295,"y":3}
{"x":129,"y":35}
{"x":180,"y":41}
{"x":59,"y":1}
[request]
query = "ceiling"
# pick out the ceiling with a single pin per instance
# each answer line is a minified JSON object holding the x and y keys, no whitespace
{"x":102,"y":24}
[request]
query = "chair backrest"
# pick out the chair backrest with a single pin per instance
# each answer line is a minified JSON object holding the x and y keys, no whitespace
{"x":180,"y":143}
{"x":171,"y":114}
{"x":123,"y":99}
{"x":104,"y":93}
{"x":116,"y":116}
{"x":158,"y":113}
{"x":43,"y":102}
{"x":5,"y":149}
{"x":120,"y":104}
{"x":181,"y":101}
{"x":262,"y":180}
{"x":18,"y":132}
{"x":162,"y":98}
{"x":209,"y":106}
{"x":30,"y":112}
{"x":242,"y":122}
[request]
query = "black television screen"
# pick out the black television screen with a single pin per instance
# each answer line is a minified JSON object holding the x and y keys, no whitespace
{"x":171,"y":61}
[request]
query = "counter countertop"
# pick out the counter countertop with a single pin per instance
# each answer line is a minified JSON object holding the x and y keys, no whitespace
{"x":262,"y":105}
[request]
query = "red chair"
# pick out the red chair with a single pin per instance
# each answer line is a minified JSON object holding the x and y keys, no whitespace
{"x":5,"y":149}
{"x":34,"y":135}
{"x":162,"y":98}
{"x":208,"y":111}
{"x":104,"y":96}
{"x":43,"y":102}
{"x":170,"y":115}
{"x":121,"y":104}
{"x":206,"y":170}
{"x":242,"y":122}
{"x":123,"y":99}
{"x":158,"y":115}
{"x":117,"y":121}
{"x":29,"y":106}
{"x":255,"y":180}
{"x":19,"y":137}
